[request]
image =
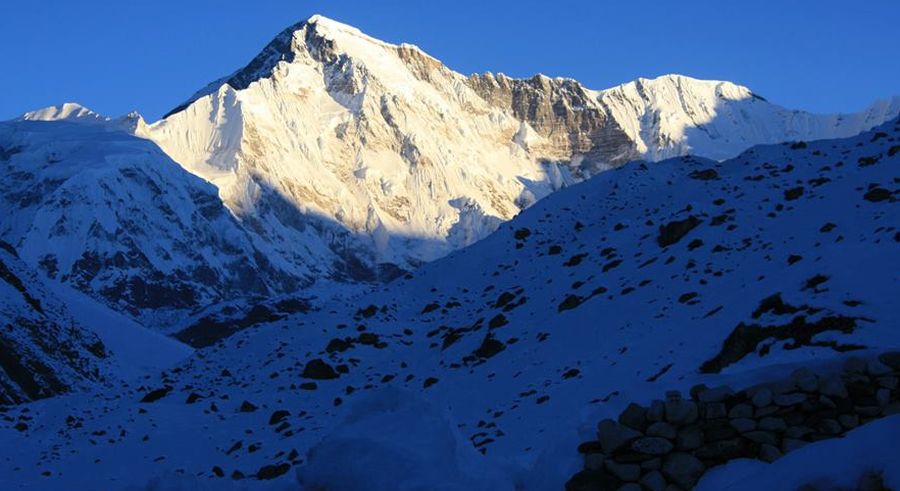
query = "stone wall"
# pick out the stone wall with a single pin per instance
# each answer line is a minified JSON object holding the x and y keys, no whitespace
{"x":671,"y":443}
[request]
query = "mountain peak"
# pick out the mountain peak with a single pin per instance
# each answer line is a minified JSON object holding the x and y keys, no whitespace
{"x":67,"y":111}
{"x":323,"y":21}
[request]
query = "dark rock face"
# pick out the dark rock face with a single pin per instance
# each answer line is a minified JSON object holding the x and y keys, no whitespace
{"x":674,"y":231}
{"x":43,"y":351}
{"x":563,"y":112}
{"x":685,"y":437}
{"x":272,"y":471}
{"x":221,"y":324}
{"x":800,"y":330}
{"x":319,"y":370}
{"x":156,"y":394}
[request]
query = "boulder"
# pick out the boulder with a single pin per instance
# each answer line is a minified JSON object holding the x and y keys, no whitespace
{"x":762,"y":397}
{"x":849,"y":421}
{"x":883,"y":396}
{"x":827,"y":402}
{"x":683,"y":469}
{"x":769,"y":453}
{"x":267,"y":472}
{"x":278,"y":416}
{"x":718,"y":430}
{"x":743,"y":425}
{"x":715,"y":410}
{"x":805,"y":379}
{"x":790,"y":444}
{"x":855,"y":364}
{"x":833,"y":386}
{"x":625,"y":472}
{"x":634,"y":416}
{"x":797,"y":432}
{"x":721,"y":451}
{"x":679,"y":411}
{"x":790,"y":399}
{"x":868,"y":411}
{"x":662,"y":429}
{"x":653,"y":481}
{"x":613,"y":436}
{"x":891,"y":359}
{"x":592,"y":480}
{"x":772,"y":424}
{"x":652,"y":445}
{"x":594,"y":461}
{"x":761,"y":437}
{"x":742,"y":410}
{"x":892,"y":408}
{"x":689,"y":438}
{"x":656,"y":411}
{"x":317,"y":369}
{"x":889,"y":382}
{"x":716,"y":394}
{"x":762,"y":412}
{"x":593,"y":446}
{"x":876,"y":368}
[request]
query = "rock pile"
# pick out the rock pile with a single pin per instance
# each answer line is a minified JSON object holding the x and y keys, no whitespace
{"x":671,"y":443}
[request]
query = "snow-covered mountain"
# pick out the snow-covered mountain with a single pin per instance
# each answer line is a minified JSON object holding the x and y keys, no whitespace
{"x":485,"y":369}
{"x":418,"y":160}
{"x":111,"y":215}
{"x":338,"y":158}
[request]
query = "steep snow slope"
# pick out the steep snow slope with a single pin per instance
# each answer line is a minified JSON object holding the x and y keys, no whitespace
{"x":607,"y":292}
{"x":111,"y":215}
{"x":419,"y":160}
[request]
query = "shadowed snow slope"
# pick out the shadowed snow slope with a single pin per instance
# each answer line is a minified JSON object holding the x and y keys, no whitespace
{"x":607,"y":292}
{"x":111,"y":215}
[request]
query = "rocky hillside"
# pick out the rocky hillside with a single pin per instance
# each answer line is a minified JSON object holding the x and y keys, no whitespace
{"x":494,"y":363}
{"x":43,"y":350}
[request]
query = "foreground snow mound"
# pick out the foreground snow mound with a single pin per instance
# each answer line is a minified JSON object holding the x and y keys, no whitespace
{"x":868,"y":451}
{"x":392,"y":440}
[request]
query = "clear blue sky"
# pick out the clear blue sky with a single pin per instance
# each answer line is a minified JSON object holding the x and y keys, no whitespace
{"x":120,"y":55}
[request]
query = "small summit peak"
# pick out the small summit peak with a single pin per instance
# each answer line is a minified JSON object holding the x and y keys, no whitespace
{"x":67,"y":111}
{"x":318,"y":18}
{"x":322,"y":23}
